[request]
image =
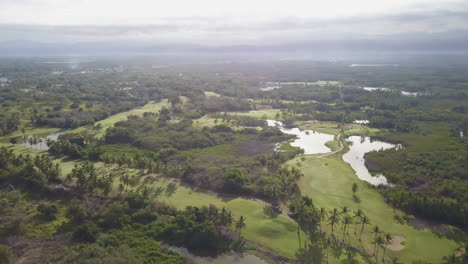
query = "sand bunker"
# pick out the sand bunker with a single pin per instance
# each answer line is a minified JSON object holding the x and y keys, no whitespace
{"x":396,"y":243}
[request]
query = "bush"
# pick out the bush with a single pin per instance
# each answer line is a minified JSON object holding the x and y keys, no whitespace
{"x":234,"y":180}
{"x":87,"y":232}
{"x":5,"y":254}
{"x":47,"y":210}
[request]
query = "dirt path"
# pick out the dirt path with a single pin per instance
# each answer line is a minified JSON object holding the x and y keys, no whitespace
{"x":334,"y":152}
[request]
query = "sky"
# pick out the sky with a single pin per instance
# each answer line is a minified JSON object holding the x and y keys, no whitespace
{"x":234,"y":22}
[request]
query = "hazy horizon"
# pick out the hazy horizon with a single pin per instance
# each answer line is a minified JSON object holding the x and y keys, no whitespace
{"x":46,"y":27}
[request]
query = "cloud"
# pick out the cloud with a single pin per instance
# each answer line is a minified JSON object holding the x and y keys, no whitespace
{"x":213,"y":31}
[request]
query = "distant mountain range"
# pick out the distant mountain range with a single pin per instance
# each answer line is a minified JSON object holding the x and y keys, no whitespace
{"x":445,"y":42}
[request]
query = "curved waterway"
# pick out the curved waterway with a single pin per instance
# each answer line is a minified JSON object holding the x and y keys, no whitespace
{"x":355,"y":157}
{"x":312,"y":142}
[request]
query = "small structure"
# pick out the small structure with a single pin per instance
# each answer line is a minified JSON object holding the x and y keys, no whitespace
{"x":461,"y":133}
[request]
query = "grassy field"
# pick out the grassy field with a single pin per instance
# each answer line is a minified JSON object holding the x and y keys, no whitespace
{"x":267,"y":113}
{"x":208,"y":94}
{"x":31,"y":131}
{"x":328,"y":181}
{"x":334,"y":128}
{"x":333,"y":145}
{"x":65,"y":164}
{"x":110,"y":121}
{"x":277,"y":233}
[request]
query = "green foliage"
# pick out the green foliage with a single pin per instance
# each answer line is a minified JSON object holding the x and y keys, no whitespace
{"x":5,"y":254}
{"x":198,"y":229}
{"x":87,"y":179}
{"x":148,"y":134}
{"x":48,"y":210}
{"x":234,"y":180}
{"x":87,"y":232}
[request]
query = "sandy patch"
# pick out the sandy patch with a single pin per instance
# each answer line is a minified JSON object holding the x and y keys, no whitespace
{"x":396,"y":245}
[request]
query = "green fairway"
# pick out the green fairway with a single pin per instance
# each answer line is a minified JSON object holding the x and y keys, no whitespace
{"x":66,"y":165}
{"x":278,"y":234}
{"x":263,"y":113}
{"x":328,"y":181}
{"x":208,"y":94}
{"x":139,"y":111}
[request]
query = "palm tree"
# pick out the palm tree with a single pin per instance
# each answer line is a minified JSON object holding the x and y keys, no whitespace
{"x":395,"y":260}
{"x":240,"y":224}
{"x":334,"y":218}
{"x":358,"y":216}
{"x":378,"y":242}
{"x":387,"y":241}
{"x":451,"y":259}
{"x":327,"y":243}
{"x":376,"y":231}
{"x":354,"y":188}
{"x":345,"y":210}
{"x":364,"y":221}
{"x":347,"y":220}
{"x":323,"y":216}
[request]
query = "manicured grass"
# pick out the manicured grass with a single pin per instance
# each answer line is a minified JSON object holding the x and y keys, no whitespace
{"x":207,"y":94}
{"x":110,"y":121}
{"x":328,"y":182}
{"x":333,"y":145}
{"x":267,"y":113}
{"x":333,"y":128}
{"x":321,"y":126}
{"x":277,"y":233}
{"x":32,"y":131}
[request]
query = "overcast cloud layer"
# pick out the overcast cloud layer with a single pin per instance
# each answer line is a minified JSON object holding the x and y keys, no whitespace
{"x":424,"y":23}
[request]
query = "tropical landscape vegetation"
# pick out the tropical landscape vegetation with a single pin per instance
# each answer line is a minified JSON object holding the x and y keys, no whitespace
{"x":117,"y":161}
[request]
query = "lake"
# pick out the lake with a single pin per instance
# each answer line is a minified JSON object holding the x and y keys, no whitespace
{"x":311,"y":141}
{"x":355,"y":157}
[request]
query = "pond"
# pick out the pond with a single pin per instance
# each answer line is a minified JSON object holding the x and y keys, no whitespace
{"x":355,"y":157}
{"x":311,"y":141}
{"x":225,"y":258}
{"x":361,"y":122}
{"x":269,"y":88}
{"x":404,"y":93}
{"x":38,"y":142}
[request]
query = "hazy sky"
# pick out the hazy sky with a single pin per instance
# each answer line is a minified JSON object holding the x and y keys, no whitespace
{"x":220,"y":22}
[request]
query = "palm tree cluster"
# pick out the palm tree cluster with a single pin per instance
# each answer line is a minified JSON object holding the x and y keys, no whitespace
{"x":311,"y":220}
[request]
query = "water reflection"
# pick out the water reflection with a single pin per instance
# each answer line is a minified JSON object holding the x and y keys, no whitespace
{"x":38,"y":142}
{"x":312,"y":142}
{"x":355,"y":157}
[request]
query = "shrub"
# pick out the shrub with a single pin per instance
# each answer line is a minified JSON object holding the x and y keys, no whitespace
{"x":5,"y":254}
{"x":87,"y":232}
{"x":48,"y":210}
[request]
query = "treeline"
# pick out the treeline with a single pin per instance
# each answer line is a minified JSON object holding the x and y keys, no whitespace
{"x":429,"y":184}
{"x":430,"y":207}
